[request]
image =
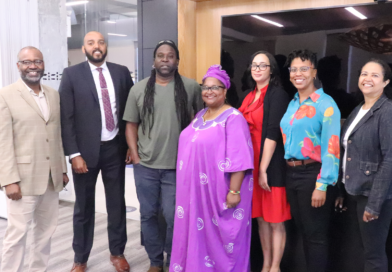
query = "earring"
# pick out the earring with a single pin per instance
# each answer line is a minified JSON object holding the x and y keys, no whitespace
{"x":314,"y":78}
{"x":153,"y":66}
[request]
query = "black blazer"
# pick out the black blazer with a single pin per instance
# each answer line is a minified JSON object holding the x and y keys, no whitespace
{"x":276,"y":101}
{"x":81,"y":122}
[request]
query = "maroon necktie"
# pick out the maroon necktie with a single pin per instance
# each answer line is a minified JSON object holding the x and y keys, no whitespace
{"x":106,"y":102}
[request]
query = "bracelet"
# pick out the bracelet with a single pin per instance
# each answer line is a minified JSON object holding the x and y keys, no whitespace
{"x":235,"y":192}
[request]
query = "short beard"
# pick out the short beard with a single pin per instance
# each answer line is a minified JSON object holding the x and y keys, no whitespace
{"x":32,"y":81}
{"x":94,"y":60}
{"x":167,"y":74}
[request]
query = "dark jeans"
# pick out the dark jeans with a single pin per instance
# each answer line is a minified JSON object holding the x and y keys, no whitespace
{"x":156,"y":188}
{"x":112,"y":166}
{"x":374,"y":234}
{"x":313,"y":223}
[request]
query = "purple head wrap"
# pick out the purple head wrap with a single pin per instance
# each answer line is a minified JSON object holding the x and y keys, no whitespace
{"x":217,"y":72}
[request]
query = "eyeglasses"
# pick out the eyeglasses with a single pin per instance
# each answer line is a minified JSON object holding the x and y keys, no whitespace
{"x":29,"y":63}
{"x":302,"y":69}
{"x":261,"y":66}
{"x":212,"y":88}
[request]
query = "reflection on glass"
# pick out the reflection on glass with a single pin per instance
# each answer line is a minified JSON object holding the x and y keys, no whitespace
{"x":116,"y":20}
{"x":341,"y":38}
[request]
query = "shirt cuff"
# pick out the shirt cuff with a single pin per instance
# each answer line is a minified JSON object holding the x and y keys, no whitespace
{"x":74,"y":155}
{"x":321,"y":186}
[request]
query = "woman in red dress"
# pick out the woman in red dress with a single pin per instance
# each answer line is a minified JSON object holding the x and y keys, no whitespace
{"x":263,"y":108}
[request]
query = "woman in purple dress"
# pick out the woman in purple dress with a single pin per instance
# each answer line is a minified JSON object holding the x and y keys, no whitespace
{"x":214,"y":186}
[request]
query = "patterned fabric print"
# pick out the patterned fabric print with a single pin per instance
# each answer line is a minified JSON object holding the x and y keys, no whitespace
{"x":207,"y":235}
{"x":311,"y":130}
{"x":106,"y":102}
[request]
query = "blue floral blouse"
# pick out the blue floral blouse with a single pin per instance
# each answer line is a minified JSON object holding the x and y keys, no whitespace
{"x":311,"y":130}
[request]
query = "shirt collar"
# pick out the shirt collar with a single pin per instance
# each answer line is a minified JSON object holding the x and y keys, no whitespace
{"x":314,"y":96}
{"x":93,"y":67}
{"x":41,"y":93}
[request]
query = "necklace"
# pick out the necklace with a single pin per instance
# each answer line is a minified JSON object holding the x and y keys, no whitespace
{"x":208,"y":110}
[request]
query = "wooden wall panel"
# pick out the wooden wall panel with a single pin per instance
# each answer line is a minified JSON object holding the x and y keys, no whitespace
{"x":207,"y":25}
{"x":187,"y":37}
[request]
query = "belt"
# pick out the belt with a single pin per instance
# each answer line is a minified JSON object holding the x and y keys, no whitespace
{"x":106,"y":142}
{"x":295,"y":162}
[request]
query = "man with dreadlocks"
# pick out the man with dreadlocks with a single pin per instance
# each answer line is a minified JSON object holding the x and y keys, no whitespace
{"x":158,"y":109}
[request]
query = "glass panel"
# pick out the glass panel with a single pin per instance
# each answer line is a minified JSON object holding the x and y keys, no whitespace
{"x":342,"y":40}
{"x":116,"y":20}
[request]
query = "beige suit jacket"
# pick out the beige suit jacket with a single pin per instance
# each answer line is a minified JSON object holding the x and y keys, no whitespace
{"x":30,"y":147}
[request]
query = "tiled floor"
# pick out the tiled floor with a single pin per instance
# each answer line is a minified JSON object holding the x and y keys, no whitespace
{"x":62,"y":253}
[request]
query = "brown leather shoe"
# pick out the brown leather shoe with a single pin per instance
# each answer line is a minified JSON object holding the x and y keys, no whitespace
{"x":155,"y":269}
{"x":79,"y":267}
{"x":120,"y":263}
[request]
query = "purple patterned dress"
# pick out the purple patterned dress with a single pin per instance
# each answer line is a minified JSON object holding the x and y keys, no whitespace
{"x":207,"y":235}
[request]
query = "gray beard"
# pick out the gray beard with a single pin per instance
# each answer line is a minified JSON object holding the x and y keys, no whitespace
{"x":33,"y":80}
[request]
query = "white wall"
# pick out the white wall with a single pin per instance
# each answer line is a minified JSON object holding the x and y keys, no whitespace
{"x":314,"y":41}
{"x":118,"y":52}
{"x":68,"y":194}
{"x":75,"y":56}
{"x":122,"y":53}
{"x":16,"y":34}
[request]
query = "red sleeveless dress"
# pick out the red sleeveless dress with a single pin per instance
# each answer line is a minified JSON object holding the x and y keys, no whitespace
{"x":271,"y":206}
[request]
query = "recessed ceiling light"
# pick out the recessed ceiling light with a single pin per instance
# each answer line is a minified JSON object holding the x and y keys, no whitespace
{"x":356,"y":13}
{"x":115,"y":34}
{"x":111,"y":22}
{"x":267,"y":21}
{"x":75,"y":3}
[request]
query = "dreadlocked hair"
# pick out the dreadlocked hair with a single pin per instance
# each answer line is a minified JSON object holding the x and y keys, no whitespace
{"x":180,"y":99}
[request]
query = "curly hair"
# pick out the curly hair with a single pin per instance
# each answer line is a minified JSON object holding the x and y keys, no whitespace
{"x":303,"y":54}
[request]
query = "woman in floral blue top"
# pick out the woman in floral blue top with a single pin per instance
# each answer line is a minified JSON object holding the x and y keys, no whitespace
{"x":311,"y":129}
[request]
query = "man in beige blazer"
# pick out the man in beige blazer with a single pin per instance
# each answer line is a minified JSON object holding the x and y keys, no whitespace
{"x":32,"y":163}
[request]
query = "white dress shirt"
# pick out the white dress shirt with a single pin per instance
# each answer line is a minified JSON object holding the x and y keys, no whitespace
{"x":106,"y":135}
{"x":41,"y":101}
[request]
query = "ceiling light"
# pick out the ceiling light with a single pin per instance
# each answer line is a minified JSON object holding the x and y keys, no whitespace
{"x":356,"y":13}
{"x":267,"y":21}
{"x":115,"y":34}
{"x":111,"y":22}
{"x":76,"y":3}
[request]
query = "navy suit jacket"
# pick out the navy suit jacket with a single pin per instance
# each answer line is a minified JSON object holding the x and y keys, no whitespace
{"x":81,"y":122}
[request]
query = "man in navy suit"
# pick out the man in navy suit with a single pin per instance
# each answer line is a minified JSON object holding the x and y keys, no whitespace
{"x":92,"y":99}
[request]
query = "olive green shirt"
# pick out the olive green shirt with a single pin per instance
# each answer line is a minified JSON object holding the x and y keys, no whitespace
{"x":160,"y":150}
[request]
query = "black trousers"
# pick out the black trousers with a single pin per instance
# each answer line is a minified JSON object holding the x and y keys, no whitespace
{"x":312,"y":223}
{"x":374,"y":234}
{"x":112,"y":166}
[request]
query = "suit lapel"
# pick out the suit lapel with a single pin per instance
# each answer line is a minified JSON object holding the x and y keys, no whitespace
{"x":116,"y":84}
{"x":370,"y":113}
{"x":26,"y":95}
{"x":349,"y":120}
{"x":88,"y":75}
{"x":362,"y":121}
